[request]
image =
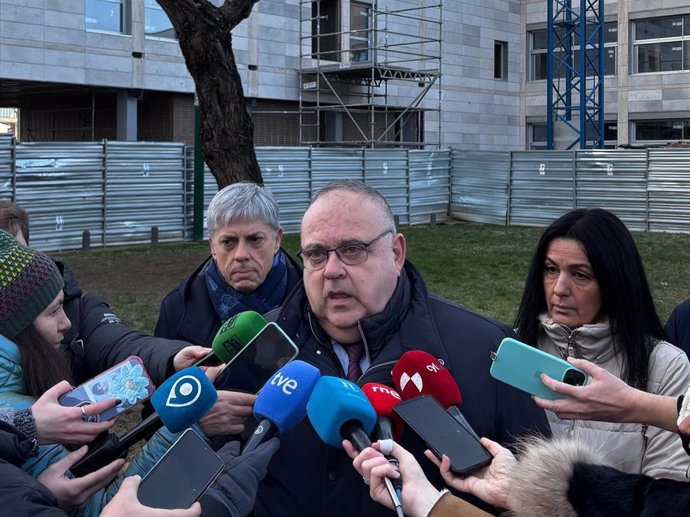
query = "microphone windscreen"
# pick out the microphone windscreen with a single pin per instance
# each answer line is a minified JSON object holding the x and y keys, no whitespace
{"x":283,"y":399}
{"x":383,"y":398}
{"x":236,"y":333}
{"x":333,"y":403}
{"x":183,"y":399}
{"x":418,"y":372}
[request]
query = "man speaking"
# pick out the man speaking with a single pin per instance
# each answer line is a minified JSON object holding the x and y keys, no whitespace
{"x":361,"y":306}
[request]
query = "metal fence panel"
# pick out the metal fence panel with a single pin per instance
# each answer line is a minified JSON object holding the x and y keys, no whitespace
{"x":386,"y":170}
{"x":61,"y":186}
{"x":152,"y":175}
{"x":6,"y":167}
{"x":479,"y":186}
{"x":542,"y":186}
{"x":429,"y":185}
{"x":615,"y":180}
{"x":669,"y":190}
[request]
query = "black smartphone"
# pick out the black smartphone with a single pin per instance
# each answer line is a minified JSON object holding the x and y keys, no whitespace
{"x":182,"y":474}
{"x":253,"y":366}
{"x":443,"y":434}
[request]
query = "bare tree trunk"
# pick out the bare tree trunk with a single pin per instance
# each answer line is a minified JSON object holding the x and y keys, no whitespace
{"x":227,"y":130}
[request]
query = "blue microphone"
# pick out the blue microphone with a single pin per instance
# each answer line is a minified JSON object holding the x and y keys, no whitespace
{"x":184,"y":398}
{"x":180,"y":402}
{"x":339,"y":409}
{"x":282,"y":402}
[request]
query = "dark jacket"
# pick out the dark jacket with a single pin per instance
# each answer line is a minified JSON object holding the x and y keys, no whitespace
{"x":678,"y":327}
{"x":99,"y":340}
{"x":20,"y":494}
{"x":308,"y":478}
{"x":187,"y":312}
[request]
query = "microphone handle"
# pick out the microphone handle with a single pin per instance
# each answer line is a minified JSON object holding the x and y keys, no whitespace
{"x":384,"y":431}
{"x":263,"y":432}
{"x":104,"y":453}
{"x":142,"y":430}
{"x":460,"y":418}
{"x":352,"y":430}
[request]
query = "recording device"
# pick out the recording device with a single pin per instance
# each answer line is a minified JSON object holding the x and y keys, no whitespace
{"x":267,"y":351}
{"x":389,"y":426}
{"x":443,"y":434}
{"x":179,"y":402}
{"x":520,"y":365}
{"x":282,"y":401}
{"x":339,"y":409}
{"x":127,"y":381}
{"x":233,"y":336}
{"x":418,"y":372}
{"x":181,"y":475}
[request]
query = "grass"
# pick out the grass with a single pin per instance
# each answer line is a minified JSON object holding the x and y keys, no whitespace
{"x":483,"y":267}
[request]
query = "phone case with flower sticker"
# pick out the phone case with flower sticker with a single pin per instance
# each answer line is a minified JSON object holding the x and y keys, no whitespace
{"x":127,"y":381}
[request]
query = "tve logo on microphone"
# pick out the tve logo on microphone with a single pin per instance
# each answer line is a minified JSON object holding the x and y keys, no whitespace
{"x":287,"y":385}
{"x":185,"y":392}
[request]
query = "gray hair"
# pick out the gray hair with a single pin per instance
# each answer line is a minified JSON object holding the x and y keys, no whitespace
{"x":360,"y":189}
{"x":247,"y":201}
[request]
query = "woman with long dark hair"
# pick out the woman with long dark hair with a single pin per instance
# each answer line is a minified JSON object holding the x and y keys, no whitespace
{"x":587,"y":296}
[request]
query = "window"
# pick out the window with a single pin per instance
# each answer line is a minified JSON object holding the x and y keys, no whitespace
{"x":105,"y":15}
{"x":661,"y":44}
{"x":360,"y":32}
{"x":538,"y":47}
{"x":536,"y":134}
{"x":661,"y":131}
{"x":500,"y":60}
{"x":325,"y":25}
{"x":156,"y":22}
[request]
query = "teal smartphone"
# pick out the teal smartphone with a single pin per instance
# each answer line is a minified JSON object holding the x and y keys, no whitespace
{"x":520,"y":365}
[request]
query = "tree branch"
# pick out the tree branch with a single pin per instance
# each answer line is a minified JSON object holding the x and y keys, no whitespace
{"x":235,"y":11}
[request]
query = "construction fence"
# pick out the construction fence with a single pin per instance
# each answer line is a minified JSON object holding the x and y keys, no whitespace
{"x":120,"y":191}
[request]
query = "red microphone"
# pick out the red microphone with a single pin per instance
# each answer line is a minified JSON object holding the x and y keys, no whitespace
{"x":389,"y":425}
{"x":418,"y":372}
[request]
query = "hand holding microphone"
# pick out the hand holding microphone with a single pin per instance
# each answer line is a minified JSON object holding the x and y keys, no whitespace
{"x":337,"y":410}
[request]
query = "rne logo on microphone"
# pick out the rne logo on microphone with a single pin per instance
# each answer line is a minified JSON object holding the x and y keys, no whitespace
{"x":416,"y":380}
{"x":387,"y":390}
{"x":185,"y":392}
{"x":286,"y":384}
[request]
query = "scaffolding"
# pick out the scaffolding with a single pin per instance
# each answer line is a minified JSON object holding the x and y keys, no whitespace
{"x":575,"y":67}
{"x":368,"y":73}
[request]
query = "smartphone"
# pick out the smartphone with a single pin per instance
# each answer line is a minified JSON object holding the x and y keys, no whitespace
{"x":127,"y":381}
{"x":443,"y":434}
{"x":253,"y":366}
{"x":182,"y":474}
{"x":520,"y":365}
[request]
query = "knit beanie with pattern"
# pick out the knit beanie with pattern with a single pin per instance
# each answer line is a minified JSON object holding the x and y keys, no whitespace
{"x":29,"y":282}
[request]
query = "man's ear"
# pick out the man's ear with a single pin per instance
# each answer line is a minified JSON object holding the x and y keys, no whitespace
{"x":399,"y":251}
{"x":279,"y":239}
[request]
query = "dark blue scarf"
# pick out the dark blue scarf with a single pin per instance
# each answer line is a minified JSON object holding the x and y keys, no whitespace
{"x":269,"y":295}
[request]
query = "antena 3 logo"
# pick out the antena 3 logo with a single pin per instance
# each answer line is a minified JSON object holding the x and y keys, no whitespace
{"x":416,"y":380}
{"x":185,"y":392}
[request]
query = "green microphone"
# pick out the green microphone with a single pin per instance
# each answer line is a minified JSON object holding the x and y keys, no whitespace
{"x":233,"y":336}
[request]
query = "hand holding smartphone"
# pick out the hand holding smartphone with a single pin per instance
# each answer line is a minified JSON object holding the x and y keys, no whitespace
{"x":443,"y":434}
{"x":127,"y":381}
{"x":521,"y":366}
{"x":182,"y":474}
{"x":253,"y":366}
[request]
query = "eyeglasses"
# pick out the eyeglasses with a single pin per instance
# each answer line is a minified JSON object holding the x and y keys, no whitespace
{"x":351,"y":254}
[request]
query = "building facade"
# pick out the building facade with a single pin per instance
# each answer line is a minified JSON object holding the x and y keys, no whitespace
{"x":467,"y":74}
{"x":647,"y":72}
